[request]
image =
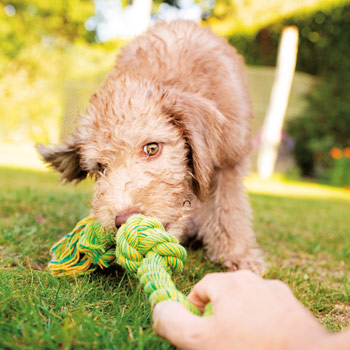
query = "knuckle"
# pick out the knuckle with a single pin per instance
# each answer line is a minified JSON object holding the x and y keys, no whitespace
{"x":279,"y":285}
{"x":244,"y":275}
{"x":195,"y":337}
{"x":210,"y":278}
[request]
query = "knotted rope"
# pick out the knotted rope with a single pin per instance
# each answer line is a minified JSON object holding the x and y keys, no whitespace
{"x":83,"y":250}
{"x":141,"y":246}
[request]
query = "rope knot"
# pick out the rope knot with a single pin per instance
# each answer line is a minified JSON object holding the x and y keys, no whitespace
{"x":143,"y":237}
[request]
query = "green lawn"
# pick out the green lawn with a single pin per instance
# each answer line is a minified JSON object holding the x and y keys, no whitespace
{"x":306,"y":242}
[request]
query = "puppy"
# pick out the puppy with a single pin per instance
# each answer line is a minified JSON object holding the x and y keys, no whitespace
{"x":168,"y":136}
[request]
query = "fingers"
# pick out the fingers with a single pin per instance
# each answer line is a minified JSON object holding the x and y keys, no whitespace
{"x":217,"y":286}
{"x":205,"y":290}
{"x":173,"y":322}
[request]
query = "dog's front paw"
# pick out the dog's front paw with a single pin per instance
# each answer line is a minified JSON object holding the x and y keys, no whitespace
{"x":252,"y":260}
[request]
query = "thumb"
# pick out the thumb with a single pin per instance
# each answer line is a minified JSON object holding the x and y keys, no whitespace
{"x":173,"y":322}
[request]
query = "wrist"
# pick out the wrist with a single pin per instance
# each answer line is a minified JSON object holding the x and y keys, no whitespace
{"x":336,"y":341}
{"x":315,"y":341}
{"x":310,"y":336}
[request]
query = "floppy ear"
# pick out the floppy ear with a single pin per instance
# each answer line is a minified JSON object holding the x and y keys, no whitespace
{"x":64,"y":158}
{"x":201,"y":124}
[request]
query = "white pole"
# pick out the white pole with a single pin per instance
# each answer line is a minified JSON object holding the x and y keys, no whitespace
{"x":141,"y":15}
{"x":272,"y":128}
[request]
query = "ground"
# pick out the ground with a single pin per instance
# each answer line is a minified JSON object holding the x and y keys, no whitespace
{"x":303,"y":229}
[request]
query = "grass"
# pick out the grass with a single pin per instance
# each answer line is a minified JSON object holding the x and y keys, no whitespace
{"x":306,"y":242}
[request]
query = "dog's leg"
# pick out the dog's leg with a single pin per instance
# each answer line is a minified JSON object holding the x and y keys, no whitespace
{"x":225,"y":223}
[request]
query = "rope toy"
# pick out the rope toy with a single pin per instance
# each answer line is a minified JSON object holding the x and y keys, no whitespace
{"x":141,"y":246}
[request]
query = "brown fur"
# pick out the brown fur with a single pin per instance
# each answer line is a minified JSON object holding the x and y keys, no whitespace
{"x":183,"y":87}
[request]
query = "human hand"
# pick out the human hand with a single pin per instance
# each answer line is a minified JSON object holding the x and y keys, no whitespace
{"x":248,"y":313}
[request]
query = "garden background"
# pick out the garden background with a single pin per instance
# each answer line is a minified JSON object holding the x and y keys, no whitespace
{"x":51,"y":60}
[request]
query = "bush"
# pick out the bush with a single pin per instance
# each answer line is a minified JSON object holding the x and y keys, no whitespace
{"x":324,"y":124}
{"x":340,"y":173}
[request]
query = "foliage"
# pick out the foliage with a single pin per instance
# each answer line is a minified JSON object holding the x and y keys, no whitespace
{"x":230,"y":17}
{"x":54,"y":24}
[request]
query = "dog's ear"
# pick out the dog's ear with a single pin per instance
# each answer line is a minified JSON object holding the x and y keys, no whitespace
{"x":64,"y":158}
{"x":201,"y":124}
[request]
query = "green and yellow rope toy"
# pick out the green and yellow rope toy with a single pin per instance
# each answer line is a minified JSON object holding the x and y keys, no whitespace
{"x":141,"y":246}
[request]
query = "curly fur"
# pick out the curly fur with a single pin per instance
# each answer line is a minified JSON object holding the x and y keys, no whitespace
{"x":183,"y":87}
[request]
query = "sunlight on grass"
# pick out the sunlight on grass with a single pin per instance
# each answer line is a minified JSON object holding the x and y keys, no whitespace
{"x":280,"y":186}
{"x":20,"y":156}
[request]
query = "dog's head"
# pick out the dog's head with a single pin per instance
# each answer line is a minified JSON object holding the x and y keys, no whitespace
{"x":151,"y":150}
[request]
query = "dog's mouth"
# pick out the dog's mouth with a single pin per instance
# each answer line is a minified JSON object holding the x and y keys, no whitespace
{"x":165,"y":225}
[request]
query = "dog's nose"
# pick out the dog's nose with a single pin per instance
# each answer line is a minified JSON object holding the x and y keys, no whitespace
{"x":120,"y":219}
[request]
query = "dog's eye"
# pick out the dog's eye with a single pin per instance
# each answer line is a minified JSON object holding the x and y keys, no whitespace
{"x":151,"y":149}
{"x":100,"y":167}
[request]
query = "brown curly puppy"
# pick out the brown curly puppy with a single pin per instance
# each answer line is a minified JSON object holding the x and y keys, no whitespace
{"x":168,"y":135}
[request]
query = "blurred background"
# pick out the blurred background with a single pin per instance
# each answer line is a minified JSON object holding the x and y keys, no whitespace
{"x":54,"y":54}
